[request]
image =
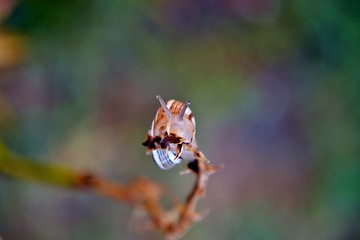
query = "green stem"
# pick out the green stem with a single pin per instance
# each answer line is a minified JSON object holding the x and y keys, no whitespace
{"x":28,"y":169}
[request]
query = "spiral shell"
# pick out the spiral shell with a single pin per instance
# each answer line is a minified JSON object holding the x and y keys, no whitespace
{"x":165,"y":159}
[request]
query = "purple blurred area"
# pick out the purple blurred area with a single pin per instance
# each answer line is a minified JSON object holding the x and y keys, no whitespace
{"x":274,"y":87}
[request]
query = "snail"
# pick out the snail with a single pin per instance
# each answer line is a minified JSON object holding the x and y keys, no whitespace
{"x":172,"y":135}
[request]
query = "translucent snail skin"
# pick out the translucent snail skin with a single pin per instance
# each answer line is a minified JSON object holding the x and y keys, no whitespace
{"x":172,"y":135}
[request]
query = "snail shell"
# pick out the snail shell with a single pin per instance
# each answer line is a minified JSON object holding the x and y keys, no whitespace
{"x":165,"y":159}
{"x":172,"y":134}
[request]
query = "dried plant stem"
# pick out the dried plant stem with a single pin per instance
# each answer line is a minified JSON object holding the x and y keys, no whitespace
{"x":138,"y":193}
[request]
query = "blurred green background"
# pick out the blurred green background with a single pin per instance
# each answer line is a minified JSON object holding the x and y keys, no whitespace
{"x":274,"y":86}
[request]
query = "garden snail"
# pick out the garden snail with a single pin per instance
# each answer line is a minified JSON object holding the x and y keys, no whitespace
{"x":172,"y":135}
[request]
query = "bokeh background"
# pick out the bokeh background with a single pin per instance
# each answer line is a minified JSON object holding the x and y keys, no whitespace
{"x":274,"y":86}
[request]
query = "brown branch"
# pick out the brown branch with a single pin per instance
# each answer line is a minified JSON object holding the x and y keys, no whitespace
{"x":146,"y":194}
{"x":140,"y":193}
{"x":188,"y":214}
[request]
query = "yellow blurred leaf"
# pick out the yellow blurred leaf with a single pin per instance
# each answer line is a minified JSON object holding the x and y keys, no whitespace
{"x":12,"y":49}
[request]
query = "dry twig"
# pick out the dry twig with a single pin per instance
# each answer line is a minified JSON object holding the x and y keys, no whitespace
{"x":138,"y":193}
{"x":144,"y":193}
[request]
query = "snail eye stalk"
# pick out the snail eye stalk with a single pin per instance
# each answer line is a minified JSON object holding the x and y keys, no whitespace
{"x":183,"y":110}
{"x":165,"y":108}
